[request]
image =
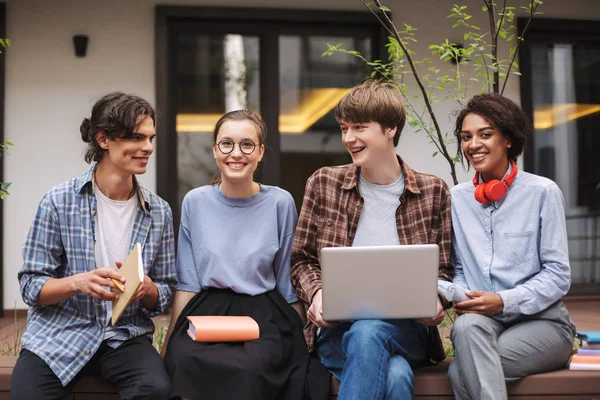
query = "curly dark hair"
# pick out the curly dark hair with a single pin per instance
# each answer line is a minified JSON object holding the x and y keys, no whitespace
{"x":504,"y":115}
{"x":116,"y":114}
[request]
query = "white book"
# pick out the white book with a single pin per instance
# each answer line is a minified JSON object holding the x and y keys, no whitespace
{"x":584,"y":367}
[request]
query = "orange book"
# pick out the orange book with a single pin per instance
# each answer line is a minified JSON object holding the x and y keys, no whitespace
{"x":222,"y":328}
{"x":586,"y":359}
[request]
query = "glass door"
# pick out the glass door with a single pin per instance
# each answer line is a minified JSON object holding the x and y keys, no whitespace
{"x":215,"y":74}
{"x":562,"y":93}
{"x":210,"y":62}
{"x":310,"y":87}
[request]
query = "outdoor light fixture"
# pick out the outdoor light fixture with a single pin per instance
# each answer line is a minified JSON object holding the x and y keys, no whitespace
{"x":80,"y":42}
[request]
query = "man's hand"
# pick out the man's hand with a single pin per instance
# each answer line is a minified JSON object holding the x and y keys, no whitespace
{"x":146,"y":289}
{"x":315,"y":311}
{"x":484,"y":303}
{"x":94,"y":283}
{"x":434,"y":321}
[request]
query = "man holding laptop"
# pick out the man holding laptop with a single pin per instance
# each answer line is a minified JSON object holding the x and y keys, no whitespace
{"x":375,"y":201}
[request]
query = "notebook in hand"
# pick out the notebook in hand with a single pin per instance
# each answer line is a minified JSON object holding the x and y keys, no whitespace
{"x":222,"y":328}
{"x":133,"y":271}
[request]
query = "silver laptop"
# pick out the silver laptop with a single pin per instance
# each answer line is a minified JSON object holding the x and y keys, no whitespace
{"x":379,"y":282}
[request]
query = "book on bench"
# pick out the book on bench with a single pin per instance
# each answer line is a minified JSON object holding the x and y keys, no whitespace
{"x":589,"y":339}
{"x":585,"y":363}
{"x":588,"y":352}
{"x":222,"y":328}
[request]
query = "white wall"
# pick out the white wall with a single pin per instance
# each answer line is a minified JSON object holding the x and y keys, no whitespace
{"x":49,"y":91}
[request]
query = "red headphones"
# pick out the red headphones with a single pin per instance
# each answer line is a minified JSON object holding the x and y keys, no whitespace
{"x":494,"y":190}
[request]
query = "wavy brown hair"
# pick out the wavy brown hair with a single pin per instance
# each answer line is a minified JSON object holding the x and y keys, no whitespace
{"x":373,"y":101}
{"x":116,"y":114}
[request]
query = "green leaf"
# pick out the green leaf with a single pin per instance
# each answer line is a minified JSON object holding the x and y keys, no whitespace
{"x":435,"y":154}
{"x":384,"y":8}
{"x":502,"y":34}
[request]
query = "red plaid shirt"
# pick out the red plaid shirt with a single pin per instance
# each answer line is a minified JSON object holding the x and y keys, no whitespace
{"x":329,"y":217}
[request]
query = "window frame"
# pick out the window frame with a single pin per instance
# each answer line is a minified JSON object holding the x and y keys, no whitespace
{"x":551,"y":30}
{"x":268,"y":25}
{"x":2,"y":85}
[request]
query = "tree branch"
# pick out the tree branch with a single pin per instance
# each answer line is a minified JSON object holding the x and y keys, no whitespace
{"x":390,"y":26}
{"x":501,"y":20}
{"x":492,"y":18}
{"x":532,"y":10}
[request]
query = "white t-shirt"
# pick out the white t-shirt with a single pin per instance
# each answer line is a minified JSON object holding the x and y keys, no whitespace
{"x":377,"y":222}
{"x":114,"y":224}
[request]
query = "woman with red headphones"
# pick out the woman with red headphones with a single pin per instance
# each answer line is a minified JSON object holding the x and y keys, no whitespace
{"x":510,"y":253}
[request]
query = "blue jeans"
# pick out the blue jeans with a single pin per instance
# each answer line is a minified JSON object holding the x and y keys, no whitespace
{"x":374,"y":359}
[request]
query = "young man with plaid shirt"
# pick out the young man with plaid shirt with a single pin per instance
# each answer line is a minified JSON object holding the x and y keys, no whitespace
{"x":82,"y":231}
{"x":376,"y":200}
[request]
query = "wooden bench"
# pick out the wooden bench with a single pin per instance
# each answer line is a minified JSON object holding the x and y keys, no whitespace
{"x":430,"y":383}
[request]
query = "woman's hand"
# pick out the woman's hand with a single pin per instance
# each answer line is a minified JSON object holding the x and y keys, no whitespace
{"x":484,"y":303}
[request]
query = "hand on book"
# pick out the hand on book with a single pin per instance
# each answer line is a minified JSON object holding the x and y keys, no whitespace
{"x":94,"y":283}
{"x":146,"y":289}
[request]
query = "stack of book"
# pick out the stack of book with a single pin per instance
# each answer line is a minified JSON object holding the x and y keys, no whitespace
{"x":588,"y":355}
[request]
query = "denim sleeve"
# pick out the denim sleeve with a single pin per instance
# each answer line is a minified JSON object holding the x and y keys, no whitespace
{"x":281,"y":263}
{"x":554,"y":279}
{"x":41,"y":252}
{"x":187,"y":273}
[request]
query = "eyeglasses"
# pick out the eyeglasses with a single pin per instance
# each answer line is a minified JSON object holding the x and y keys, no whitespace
{"x":246,"y":146}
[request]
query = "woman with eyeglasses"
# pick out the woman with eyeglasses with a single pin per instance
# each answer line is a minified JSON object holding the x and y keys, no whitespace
{"x":233,"y":258}
{"x":509,"y":249}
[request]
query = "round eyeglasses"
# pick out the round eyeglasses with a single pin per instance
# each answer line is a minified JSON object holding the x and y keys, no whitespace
{"x":246,"y":146}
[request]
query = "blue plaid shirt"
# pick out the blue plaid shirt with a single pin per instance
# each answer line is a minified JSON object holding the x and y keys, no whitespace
{"x":60,"y":243}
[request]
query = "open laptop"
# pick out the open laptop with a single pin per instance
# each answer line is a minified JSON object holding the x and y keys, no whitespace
{"x":379,"y":282}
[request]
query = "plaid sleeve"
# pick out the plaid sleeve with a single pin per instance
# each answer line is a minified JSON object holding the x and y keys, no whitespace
{"x":163,"y":272}
{"x":305,"y":269}
{"x":41,"y":252}
{"x":444,"y":240}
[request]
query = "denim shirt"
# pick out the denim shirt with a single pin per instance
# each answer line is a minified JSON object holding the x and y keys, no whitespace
{"x":516,"y":246}
{"x":60,"y":243}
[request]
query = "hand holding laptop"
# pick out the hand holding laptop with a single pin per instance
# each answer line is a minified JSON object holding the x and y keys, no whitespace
{"x":315,"y":311}
{"x":434,"y":321}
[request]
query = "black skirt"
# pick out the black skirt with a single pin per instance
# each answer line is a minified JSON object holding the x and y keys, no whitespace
{"x":271,"y":367}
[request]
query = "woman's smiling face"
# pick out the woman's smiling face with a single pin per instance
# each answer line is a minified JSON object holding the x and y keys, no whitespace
{"x":236,"y":166}
{"x":485,"y":147}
